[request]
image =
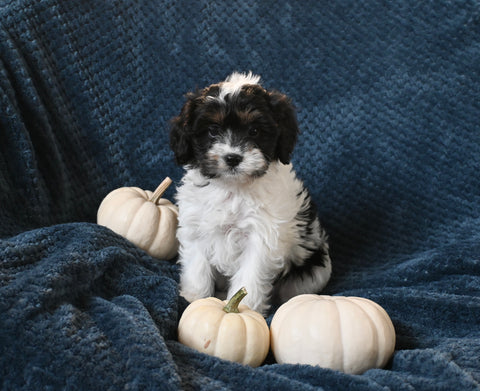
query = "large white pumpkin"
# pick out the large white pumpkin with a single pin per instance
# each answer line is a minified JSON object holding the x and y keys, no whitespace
{"x":143,"y":217}
{"x":349,"y":334}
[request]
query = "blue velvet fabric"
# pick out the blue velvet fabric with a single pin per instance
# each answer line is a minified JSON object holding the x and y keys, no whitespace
{"x":388,"y":99}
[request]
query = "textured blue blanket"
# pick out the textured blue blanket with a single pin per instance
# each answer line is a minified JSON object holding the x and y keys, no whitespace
{"x":388,"y":98}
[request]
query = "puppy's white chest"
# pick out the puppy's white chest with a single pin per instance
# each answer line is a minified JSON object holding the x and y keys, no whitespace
{"x":231,"y":223}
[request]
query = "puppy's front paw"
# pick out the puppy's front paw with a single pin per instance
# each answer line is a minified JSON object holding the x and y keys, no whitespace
{"x":189,"y":296}
{"x":196,"y":281}
{"x":191,"y":291}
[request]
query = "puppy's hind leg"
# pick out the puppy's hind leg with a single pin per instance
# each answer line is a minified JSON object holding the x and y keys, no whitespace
{"x":311,"y":277}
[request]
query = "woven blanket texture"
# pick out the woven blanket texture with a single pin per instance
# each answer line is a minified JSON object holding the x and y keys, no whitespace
{"x":388,"y":103}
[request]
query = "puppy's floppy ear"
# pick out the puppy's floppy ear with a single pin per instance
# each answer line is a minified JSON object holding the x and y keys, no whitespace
{"x":286,"y":118}
{"x":181,"y":131}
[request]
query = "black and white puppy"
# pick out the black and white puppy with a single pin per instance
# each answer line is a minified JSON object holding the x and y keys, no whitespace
{"x":245,"y":219}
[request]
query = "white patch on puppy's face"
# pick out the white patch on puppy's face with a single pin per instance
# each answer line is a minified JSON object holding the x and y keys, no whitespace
{"x":227,"y":159}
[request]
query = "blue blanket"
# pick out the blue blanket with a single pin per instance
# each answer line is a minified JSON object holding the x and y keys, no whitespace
{"x":388,"y":98}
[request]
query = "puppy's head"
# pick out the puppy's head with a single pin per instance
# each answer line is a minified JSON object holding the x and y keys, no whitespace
{"x":234,"y":129}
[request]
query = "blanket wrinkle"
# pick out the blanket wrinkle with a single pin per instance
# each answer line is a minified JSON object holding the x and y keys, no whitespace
{"x":387,"y":98}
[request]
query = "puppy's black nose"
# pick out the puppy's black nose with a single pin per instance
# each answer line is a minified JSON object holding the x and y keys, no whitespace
{"x":233,"y":159}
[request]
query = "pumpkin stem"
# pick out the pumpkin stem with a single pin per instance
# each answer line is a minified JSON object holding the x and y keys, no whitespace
{"x":232,"y":305}
{"x":157,"y":194}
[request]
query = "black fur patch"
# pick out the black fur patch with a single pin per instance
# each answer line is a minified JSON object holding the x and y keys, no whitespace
{"x":312,"y":235}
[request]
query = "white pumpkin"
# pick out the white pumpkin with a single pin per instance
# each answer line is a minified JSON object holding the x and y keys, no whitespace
{"x":225,"y":329}
{"x":143,"y":217}
{"x":349,"y":334}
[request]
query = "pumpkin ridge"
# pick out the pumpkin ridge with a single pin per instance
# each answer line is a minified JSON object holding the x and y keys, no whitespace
{"x":142,"y":193}
{"x":246,"y":334}
{"x":217,"y":333}
{"x":373,"y":324}
{"x":155,"y":227}
{"x":340,"y":322}
{"x":298,"y":307}
{"x":256,"y":322}
{"x":135,"y":223}
{"x":381,"y":319}
{"x":127,"y":210}
{"x":165,"y":230}
{"x":224,"y":338}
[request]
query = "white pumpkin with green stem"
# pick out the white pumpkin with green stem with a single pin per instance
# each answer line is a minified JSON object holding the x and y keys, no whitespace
{"x":228,"y":330}
{"x":349,"y":334}
{"x":142,"y":217}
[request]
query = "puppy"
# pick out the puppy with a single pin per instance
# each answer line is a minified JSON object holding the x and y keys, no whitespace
{"x":245,"y":219}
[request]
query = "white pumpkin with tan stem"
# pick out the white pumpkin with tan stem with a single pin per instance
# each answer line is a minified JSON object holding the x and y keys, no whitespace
{"x":143,"y":217}
{"x":228,"y":330}
{"x":349,"y":334}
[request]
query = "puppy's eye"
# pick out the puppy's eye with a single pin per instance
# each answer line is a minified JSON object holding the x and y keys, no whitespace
{"x":213,"y":131}
{"x":252,"y":132}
